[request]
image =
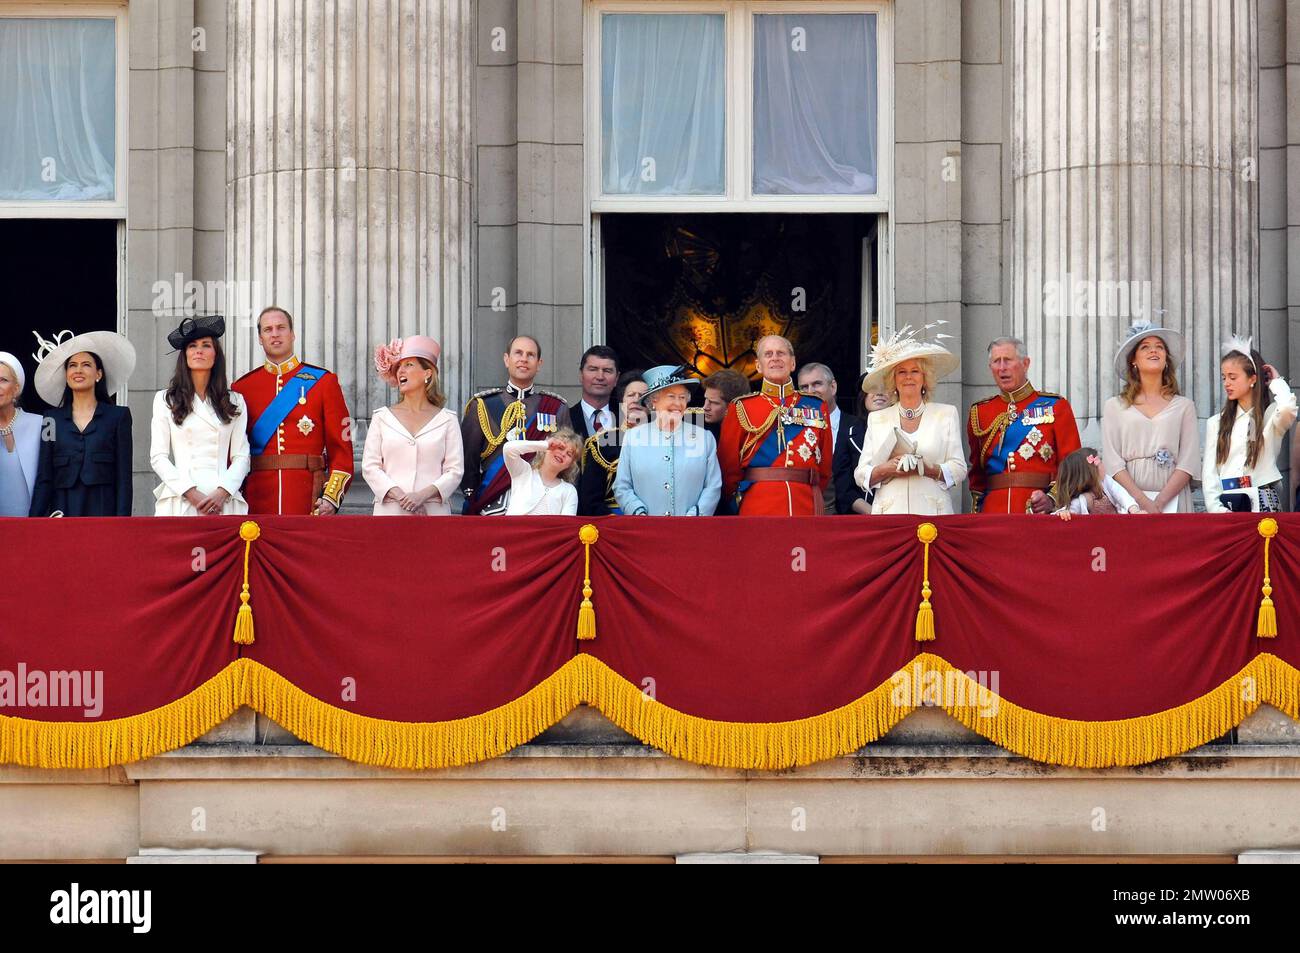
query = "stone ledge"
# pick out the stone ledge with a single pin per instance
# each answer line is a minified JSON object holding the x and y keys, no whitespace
{"x":577,"y":762}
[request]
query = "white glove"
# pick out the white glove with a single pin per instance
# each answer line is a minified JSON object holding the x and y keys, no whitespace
{"x":909,"y":462}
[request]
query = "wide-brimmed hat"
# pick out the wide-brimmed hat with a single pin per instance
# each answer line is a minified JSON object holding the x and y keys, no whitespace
{"x":388,"y":356}
{"x":1133,"y":337}
{"x":191,"y":329}
{"x":906,"y":346}
{"x":665,"y":375}
{"x":114,"y":351}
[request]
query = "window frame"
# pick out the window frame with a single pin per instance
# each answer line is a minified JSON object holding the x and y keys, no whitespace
{"x":115,"y":10}
{"x":739,"y":110}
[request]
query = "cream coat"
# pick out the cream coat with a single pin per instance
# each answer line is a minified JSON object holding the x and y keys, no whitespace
{"x":202,"y":453}
{"x":393,"y":458}
{"x":938,"y":442}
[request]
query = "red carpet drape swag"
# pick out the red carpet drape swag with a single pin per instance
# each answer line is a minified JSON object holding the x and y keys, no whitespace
{"x":756,"y":643}
{"x":772,"y":619}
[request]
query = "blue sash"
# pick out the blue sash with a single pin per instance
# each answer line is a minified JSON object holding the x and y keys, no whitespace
{"x":766,"y":453}
{"x":266,"y":425}
{"x":1015,"y":434}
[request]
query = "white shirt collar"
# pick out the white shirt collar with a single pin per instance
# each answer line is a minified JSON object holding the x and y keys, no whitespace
{"x":589,"y":412}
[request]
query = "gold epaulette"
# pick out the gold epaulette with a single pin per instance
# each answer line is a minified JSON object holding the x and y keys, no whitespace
{"x":479,"y":396}
{"x":989,"y":398}
{"x":1048,"y":393}
{"x":752,"y":393}
{"x":549,"y":393}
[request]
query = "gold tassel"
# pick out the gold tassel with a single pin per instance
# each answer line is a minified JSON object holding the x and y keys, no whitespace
{"x":1267,"y":628}
{"x":587,"y":612}
{"x":927,"y":534}
{"x":248,"y":531}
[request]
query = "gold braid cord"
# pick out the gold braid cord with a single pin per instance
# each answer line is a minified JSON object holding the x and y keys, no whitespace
{"x":755,"y":433}
{"x":515,"y":415}
{"x":994,"y":431}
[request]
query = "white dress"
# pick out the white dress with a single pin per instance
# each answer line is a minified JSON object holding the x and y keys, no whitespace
{"x":1278,"y":418}
{"x":938,"y":442}
{"x":1118,"y":496}
{"x":202,"y":452}
{"x":529,"y":496}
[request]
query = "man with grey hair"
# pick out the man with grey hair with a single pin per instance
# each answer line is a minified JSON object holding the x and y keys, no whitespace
{"x":1017,"y":438}
{"x":819,"y":380}
{"x":775,"y":446}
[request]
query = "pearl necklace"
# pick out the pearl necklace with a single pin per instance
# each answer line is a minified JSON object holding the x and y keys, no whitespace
{"x":910,"y":413}
{"x":8,"y":431}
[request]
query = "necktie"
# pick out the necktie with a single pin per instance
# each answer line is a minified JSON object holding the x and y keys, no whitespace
{"x":597,"y":425}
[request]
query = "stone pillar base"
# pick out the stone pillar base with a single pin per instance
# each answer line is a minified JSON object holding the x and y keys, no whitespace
{"x":757,"y":857}
{"x":198,"y":855}
{"x":1283,"y":856}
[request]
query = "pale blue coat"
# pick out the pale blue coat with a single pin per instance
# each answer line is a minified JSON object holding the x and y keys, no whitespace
{"x":668,"y":474}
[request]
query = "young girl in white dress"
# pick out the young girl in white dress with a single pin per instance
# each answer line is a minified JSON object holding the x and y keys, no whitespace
{"x":1082,"y":488}
{"x":544,"y":487}
{"x":1242,"y":443}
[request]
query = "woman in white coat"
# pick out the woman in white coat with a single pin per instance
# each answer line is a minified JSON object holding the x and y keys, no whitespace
{"x":199,"y":434}
{"x":912,"y":454}
{"x":414,"y":457}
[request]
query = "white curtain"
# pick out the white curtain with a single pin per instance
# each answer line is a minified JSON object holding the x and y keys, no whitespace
{"x":815,"y":104}
{"x":663,"y":104}
{"x":57,"y":109}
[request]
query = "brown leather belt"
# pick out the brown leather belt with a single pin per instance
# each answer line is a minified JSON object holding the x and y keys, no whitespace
{"x":789,"y":475}
{"x":288,"y":461}
{"x":1007,"y":481}
{"x":312,"y":463}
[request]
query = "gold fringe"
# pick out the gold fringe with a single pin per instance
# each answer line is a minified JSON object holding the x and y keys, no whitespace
{"x":99,"y":744}
{"x":1267,"y":626}
{"x":587,"y":612}
{"x":585,"y":679}
{"x":927,"y":533}
{"x":248,"y":531}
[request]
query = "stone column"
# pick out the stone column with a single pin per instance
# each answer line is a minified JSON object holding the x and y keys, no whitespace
{"x":1134,"y":149}
{"x":349,"y":178}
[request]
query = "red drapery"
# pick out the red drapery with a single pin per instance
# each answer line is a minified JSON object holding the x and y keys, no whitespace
{"x":758,"y":642}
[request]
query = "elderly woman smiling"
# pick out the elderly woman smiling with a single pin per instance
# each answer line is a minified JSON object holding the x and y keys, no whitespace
{"x":668,"y":467}
{"x":20,"y":441}
{"x":913,"y":453}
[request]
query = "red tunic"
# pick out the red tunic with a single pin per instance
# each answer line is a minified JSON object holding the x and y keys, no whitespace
{"x":319,"y":427}
{"x":1020,"y":437}
{"x":754,"y":434}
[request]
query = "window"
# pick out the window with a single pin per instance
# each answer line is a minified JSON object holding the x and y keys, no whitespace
{"x":62,"y":90}
{"x":734,"y":105}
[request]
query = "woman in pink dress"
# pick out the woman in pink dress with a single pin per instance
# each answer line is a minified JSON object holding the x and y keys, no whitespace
{"x":413,"y":459}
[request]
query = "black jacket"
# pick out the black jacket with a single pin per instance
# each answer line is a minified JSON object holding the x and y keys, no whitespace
{"x":848,"y":450}
{"x":85,"y":473}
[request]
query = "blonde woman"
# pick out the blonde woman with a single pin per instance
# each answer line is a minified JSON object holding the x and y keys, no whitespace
{"x":544,"y":487}
{"x":913,"y":452}
{"x":414,"y":458}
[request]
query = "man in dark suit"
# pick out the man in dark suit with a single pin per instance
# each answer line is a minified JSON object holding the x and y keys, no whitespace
{"x":847,"y":432}
{"x":598,"y":373}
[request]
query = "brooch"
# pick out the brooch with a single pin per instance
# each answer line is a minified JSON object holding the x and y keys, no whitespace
{"x":1164,"y":458}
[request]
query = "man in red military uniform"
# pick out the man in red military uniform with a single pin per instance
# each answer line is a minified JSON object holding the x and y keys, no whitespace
{"x":775,"y":445}
{"x":299,"y":429}
{"x":1017,"y":438}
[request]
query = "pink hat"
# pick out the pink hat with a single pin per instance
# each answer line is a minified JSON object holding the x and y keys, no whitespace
{"x":388,"y":356}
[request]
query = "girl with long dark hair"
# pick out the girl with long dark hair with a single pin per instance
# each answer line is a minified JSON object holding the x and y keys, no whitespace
{"x":1240,"y":472}
{"x":199,"y":446}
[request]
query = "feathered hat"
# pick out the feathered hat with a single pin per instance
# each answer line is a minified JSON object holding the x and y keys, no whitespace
{"x":907,"y":345}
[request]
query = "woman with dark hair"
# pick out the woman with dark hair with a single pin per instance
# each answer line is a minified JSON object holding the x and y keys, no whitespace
{"x":85,"y":470}
{"x":199,"y":446}
{"x":1241,"y":445}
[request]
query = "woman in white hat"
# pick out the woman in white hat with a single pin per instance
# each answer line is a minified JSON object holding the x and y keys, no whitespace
{"x":20,"y":441}
{"x":85,"y":470}
{"x":199,"y":435}
{"x":913,"y":452}
{"x":1150,"y":443}
{"x":668,"y":467}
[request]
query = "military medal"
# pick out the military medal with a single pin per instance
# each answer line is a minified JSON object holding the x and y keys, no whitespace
{"x":302,"y":396}
{"x":547,"y":423}
{"x":305,"y":424}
